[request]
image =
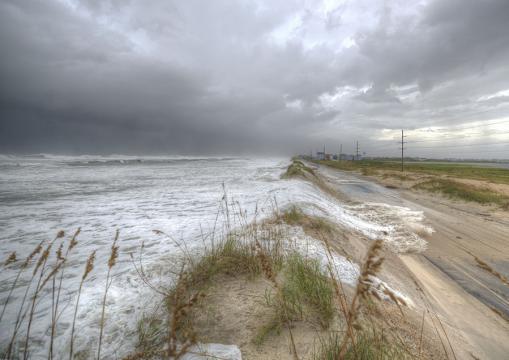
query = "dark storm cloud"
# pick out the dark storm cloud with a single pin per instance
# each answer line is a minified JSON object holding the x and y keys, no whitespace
{"x":236,"y":77}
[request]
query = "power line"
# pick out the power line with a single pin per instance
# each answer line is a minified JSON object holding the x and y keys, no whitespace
{"x":475,"y":151}
{"x":468,"y":127}
{"x":459,"y":137}
{"x":402,"y":149}
{"x":462,"y":145}
{"x":383,"y":147}
{"x":452,"y":137}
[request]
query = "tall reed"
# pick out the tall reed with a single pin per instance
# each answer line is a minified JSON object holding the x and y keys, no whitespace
{"x":40,"y":284}
{"x":111,"y":262}
{"x":10,"y":259}
{"x":25,"y":264}
{"x":55,"y":300}
{"x":181,"y":306}
{"x":21,"y":315}
{"x":88,"y":269}
{"x":369,"y":268}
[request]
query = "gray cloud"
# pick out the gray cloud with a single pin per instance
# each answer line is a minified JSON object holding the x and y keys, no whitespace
{"x":241,"y":77}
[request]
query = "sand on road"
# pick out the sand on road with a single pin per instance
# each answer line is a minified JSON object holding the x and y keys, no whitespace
{"x":466,"y":303}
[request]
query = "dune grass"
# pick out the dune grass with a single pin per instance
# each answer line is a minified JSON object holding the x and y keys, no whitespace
{"x":445,"y":186}
{"x":229,"y":257}
{"x":311,"y":224}
{"x":461,"y":171}
{"x":297,"y":169}
{"x":306,"y":284}
{"x":368,"y":345}
{"x":465,"y":192}
{"x":301,"y":291}
{"x":304,"y":293}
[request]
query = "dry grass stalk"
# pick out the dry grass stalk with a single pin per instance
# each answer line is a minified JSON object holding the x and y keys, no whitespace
{"x":433,"y":315}
{"x":41,"y":263}
{"x":180,"y":308}
{"x":492,"y":271}
{"x":370,"y":268}
{"x":88,"y":269}
{"x":10,"y":260}
{"x":270,"y":274}
{"x":40,"y":285}
{"x":56,"y":299}
{"x":111,"y":263}
{"x":21,"y":315}
{"x":339,"y":290}
{"x":141,"y":272}
{"x":422,"y":332}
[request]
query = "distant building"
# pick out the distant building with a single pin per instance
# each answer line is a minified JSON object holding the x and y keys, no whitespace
{"x":350,"y":157}
{"x":320,"y":155}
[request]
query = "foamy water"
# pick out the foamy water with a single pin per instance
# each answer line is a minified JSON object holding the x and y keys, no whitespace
{"x":180,"y":196}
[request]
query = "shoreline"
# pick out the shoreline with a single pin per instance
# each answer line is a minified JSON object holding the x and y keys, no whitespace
{"x":326,"y":242}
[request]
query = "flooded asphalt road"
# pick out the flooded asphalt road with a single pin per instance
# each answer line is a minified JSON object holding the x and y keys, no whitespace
{"x":462,"y":237}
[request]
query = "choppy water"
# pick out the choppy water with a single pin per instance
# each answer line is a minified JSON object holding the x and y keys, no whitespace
{"x":180,"y":196}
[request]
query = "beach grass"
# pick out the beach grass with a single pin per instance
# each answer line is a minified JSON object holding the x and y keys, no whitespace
{"x":297,"y":169}
{"x":462,"y":171}
{"x":305,"y":282}
{"x":466,"y":192}
{"x":440,"y":178}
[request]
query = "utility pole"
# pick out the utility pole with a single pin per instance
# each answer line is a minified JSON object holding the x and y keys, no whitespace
{"x":357,"y":151}
{"x":403,"y":142}
{"x":340,"y":151}
{"x":324,"y":152}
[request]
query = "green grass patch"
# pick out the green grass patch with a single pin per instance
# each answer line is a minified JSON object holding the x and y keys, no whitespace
{"x":306,"y":282}
{"x":457,"y":190}
{"x":370,"y":344}
{"x":274,"y":326}
{"x":295,"y":216}
{"x":230,"y":257}
{"x":399,"y":176}
{"x":305,"y":292}
{"x":366,"y":171}
{"x":462,"y":171}
{"x":151,"y":330}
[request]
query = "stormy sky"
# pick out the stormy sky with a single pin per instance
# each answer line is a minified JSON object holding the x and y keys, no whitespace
{"x":254,"y":76}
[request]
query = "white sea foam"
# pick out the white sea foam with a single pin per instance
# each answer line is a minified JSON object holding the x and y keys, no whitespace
{"x":400,"y":227}
{"x":347,"y":271}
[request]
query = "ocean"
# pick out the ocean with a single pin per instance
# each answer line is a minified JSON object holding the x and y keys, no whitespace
{"x":181,"y":197}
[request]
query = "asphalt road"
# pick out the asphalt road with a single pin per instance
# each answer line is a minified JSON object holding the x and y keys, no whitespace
{"x":473,"y":302}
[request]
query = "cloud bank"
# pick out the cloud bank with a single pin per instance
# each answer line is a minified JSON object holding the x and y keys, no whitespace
{"x":239,"y":77}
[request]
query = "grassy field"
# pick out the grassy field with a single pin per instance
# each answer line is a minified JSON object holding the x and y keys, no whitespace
{"x":456,"y":190}
{"x":462,"y":171}
{"x":448,"y":186}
